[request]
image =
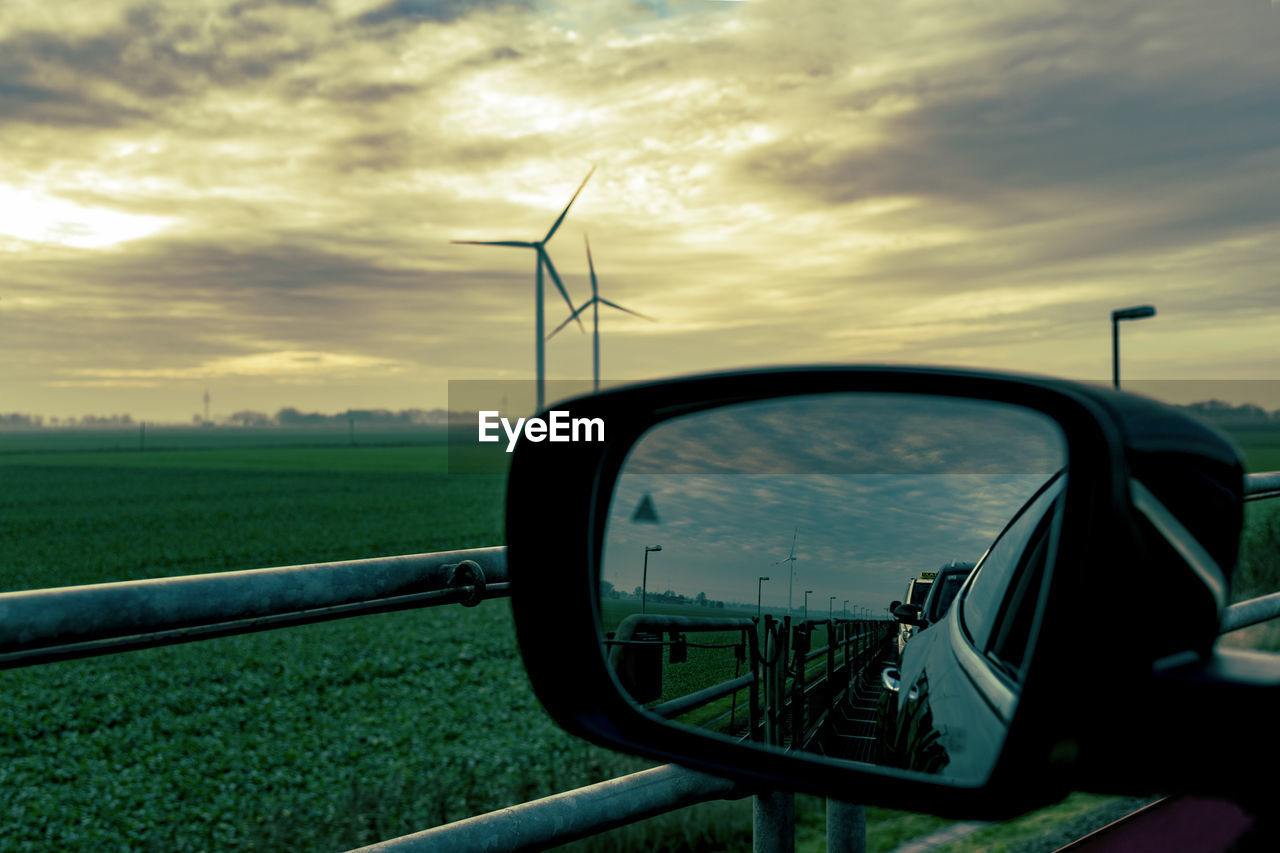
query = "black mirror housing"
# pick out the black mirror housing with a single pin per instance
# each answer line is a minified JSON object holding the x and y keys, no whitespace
{"x":1149,"y":493}
{"x":907,"y":614}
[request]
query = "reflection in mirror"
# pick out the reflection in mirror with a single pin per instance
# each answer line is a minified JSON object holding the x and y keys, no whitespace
{"x":755,"y":555}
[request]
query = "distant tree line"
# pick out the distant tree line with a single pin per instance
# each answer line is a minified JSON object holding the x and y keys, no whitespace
{"x":292,"y":417}
{"x":17,"y":420}
{"x":286,"y":417}
{"x":1214,"y":410}
{"x":608,"y":590}
{"x":1225,"y":413}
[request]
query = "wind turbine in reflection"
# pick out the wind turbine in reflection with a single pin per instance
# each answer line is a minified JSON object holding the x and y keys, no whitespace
{"x":595,"y":302}
{"x":543,"y":259}
{"x":790,"y":558}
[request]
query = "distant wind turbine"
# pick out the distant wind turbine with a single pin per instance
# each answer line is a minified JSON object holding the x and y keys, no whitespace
{"x":595,"y":301}
{"x":543,"y":259}
{"x":790,"y":558}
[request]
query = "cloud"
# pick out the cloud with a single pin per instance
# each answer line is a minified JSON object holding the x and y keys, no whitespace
{"x":858,"y":536}
{"x":858,"y":432}
{"x":286,"y":365}
{"x":776,"y":182}
{"x":435,"y":11}
{"x":152,"y":54}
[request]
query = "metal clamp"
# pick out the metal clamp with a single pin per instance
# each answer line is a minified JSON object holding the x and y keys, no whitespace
{"x":467,"y":574}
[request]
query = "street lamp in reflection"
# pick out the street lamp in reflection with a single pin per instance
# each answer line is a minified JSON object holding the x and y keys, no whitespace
{"x":831,"y":609}
{"x":1137,"y":312}
{"x":806,"y":604}
{"x":644,"y":579}
{"x":759,"y":592}
{"x":846,"y":608}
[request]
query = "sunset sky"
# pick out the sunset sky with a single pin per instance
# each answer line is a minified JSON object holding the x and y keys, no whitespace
{"x":258,"y":198}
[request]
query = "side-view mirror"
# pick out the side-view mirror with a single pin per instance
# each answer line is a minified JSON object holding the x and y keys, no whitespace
{"x":907,"y":614}
{"x":788,"y":503}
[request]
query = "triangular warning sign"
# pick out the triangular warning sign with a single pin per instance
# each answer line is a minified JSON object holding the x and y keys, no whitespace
{"x":645,"y":513}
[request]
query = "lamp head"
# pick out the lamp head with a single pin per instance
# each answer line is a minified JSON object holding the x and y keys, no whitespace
{"x":1137,"y":312}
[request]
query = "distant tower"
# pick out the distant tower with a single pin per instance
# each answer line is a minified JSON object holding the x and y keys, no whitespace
{"x":206,"y":405}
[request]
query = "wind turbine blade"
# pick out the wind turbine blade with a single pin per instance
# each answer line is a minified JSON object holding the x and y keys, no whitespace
{"x":555,"y":276}
{"x":570,"y":319}
{"x":565,"y":212}
{"x":628,"y":310}
{"x":513,"y":243}
{"x":595,"y":290}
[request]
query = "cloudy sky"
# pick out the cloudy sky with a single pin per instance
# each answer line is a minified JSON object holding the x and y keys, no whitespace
{"x":874,"y":489}
{"x":258,"y":198}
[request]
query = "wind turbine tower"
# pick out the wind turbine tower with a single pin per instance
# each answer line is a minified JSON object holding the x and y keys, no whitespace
{"x":595,"y":302}
{"x":543,"y":259}
{"x":790,"y":558}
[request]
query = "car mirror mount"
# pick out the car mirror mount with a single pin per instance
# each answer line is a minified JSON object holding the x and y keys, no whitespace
{"x":908,"y":614}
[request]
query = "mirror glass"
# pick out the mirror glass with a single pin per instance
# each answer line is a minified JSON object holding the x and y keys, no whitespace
{"x":756,"y":553}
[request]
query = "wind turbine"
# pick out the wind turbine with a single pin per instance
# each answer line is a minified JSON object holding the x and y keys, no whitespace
{"x":595,"y":301}
{"x":790,"y":558}
{"x":543,"y":259}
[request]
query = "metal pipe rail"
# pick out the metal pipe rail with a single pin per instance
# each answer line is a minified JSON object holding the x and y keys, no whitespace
{"x":816,"y":653}
{"x":637,"y":621}
{"x":1251,"y":612}
{"x":44,"y":625}
{"x":706,"y":696}
{"x":1262,"y":486}
{"x":566,"y":817}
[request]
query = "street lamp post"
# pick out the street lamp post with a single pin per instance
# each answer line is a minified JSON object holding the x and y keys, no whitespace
{"x":644,"y":579}
{"x":759,"y":592}
{"x":846,"y":608}
{"x":1137,"y":312}
{"x":831,"y":606}
{"x":806,"y":604}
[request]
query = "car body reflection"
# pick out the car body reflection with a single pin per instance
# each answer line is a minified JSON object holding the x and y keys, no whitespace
{"x":948,"y":701}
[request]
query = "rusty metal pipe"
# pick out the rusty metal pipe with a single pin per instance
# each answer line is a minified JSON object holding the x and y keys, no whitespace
{"x":566,"y":817}
{"x":80,"y":621}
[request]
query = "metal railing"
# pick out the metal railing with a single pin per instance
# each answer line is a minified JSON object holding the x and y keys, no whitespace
{"x":62,"y":623}
{"x":45,"y":625}
{"x":566,"y":817}
{"x":1261,"y":486}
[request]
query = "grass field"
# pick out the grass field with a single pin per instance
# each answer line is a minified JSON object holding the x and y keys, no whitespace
{"x":316,"y":738}
{"x":1260,"y":447}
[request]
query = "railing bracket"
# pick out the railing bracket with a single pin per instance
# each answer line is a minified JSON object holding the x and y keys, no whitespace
{"x":467,"y":574}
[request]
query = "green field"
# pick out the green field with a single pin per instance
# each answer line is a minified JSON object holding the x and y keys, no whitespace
{"x":323,"y":737}
{"x":15,"y":442}
{"x":1260,"y":447}
{"x":316,"y":738}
